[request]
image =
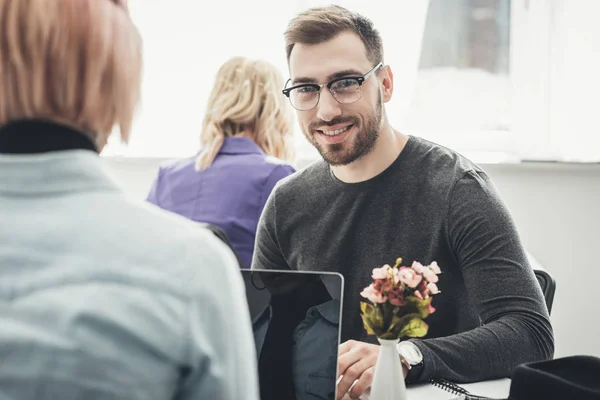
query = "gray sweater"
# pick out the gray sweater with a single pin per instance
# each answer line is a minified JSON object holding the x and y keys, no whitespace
{"x":431,"y":204}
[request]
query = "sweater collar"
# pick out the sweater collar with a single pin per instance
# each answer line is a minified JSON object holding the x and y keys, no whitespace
{"x":35,"y":136}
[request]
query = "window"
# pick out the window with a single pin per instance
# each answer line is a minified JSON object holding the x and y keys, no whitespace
{"x":462,"y":95}
{"x":498,"y":80}
{"x":185,"y":42}
{"x":555,"y":62}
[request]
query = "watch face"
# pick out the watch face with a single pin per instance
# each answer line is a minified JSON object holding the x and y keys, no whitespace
{"x":410,"y":352}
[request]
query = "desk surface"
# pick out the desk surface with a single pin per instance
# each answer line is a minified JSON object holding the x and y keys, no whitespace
{"x":496,"y":389}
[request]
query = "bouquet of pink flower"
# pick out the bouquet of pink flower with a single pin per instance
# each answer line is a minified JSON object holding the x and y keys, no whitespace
{"x":401,"y":300}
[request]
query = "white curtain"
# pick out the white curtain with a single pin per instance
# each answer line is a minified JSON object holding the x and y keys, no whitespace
{"x":186,"y":41}
{"x":557,"y":80}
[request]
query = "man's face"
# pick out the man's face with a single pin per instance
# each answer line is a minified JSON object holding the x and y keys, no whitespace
{"x":342,"y":133}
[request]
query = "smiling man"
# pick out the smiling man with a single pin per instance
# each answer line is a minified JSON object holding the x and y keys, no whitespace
{"x":379,"y":194}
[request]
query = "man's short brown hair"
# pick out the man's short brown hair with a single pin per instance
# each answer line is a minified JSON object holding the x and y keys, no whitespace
{"x":318,"y":25}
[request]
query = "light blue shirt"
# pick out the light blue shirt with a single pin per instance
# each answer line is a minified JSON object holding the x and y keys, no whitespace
{"x":102,"y":297}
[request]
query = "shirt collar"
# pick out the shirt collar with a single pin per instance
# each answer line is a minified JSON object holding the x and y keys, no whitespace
{"x":330,"y":311}
{"x":240,"y":145}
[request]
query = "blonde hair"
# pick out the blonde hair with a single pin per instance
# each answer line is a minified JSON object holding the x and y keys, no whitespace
{"x":247,"y":98}
{"x":76,"y":62}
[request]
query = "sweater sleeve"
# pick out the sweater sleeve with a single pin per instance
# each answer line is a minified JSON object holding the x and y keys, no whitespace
{"x":501,"y":285}
{"x":278,"y":173}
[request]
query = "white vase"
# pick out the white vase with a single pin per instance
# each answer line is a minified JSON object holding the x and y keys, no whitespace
{"x":388,"y":382}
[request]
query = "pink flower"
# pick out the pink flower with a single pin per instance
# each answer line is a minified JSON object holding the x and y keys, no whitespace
{"x":432,"y":287}
{"x":373,"y":295}
{"x":418,"y":295}
{"x":430,"y":275}
{"x":435,"y":268}
{"x":396,"y":297}
{"x":409,"y":277}
{"x":383,"y":286}
{"x":430,"y":309}
{"x":381,"y":273}
{"x":418,"y":267}
{"x":396,"y":276}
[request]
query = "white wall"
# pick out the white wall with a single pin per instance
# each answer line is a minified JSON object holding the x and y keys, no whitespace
{"x":556,"y":210}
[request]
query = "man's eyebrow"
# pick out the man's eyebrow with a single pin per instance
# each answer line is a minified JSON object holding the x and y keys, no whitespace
{"x":335,"y":75}
{"x":341,"y":74}
{"x":300,"y":81}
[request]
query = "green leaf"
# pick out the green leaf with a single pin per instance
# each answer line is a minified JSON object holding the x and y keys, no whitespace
{"x":372,"y":316}
{"x":398,"y":323}
{"x":377,"y":318}
{"x":418,"y":306}
{"x":367,"y":324}
{"x":415,"y":327}
{"x":390,"y":322}
{"x":366,"y":308}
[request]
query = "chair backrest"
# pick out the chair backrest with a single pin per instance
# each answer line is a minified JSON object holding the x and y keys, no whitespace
{"x":548,"y":285}
{"x":220,"y":233}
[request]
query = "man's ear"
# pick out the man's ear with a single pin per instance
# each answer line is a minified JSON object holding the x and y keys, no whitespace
{"x":387,"y":83}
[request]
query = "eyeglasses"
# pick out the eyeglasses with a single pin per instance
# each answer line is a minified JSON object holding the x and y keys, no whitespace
{"x":345,"y":90}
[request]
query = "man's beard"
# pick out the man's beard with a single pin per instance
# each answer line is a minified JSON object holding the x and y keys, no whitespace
{"x":362,"y":144}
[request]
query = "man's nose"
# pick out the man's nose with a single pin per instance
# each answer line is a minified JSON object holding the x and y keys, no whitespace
{"x":328,"y":107}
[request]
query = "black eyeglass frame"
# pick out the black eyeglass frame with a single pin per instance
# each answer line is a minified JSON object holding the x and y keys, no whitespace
{"x":359,"y":79}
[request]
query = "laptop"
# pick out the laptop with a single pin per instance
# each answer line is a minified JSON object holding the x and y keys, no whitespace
{"x":296,"y":320}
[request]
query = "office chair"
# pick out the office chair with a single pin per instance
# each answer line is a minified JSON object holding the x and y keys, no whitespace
{"x":220,"y":233}
{"x":548,"y":285}
{"x":546,"y":281}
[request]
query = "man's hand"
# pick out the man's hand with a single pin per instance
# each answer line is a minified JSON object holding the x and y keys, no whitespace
{"x":356,"y":362}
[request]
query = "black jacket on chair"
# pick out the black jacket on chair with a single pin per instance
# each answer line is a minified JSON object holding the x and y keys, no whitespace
{"x":576,"y":377}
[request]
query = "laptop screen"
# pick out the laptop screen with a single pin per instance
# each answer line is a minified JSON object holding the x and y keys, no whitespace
{"x":296,"y":320}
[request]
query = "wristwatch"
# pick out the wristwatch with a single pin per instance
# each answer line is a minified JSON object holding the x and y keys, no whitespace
{"x":410,"y":355}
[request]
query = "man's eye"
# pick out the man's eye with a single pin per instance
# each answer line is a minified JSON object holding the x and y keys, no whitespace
{"x":306,"y":89}
{"x":345,"y":84}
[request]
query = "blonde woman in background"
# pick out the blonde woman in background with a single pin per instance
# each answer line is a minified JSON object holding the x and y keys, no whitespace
{"x":245,"y":142}
{"x":100,"y":297}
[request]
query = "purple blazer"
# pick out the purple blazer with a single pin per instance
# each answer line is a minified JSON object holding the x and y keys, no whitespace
{"x":230,"y":194}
